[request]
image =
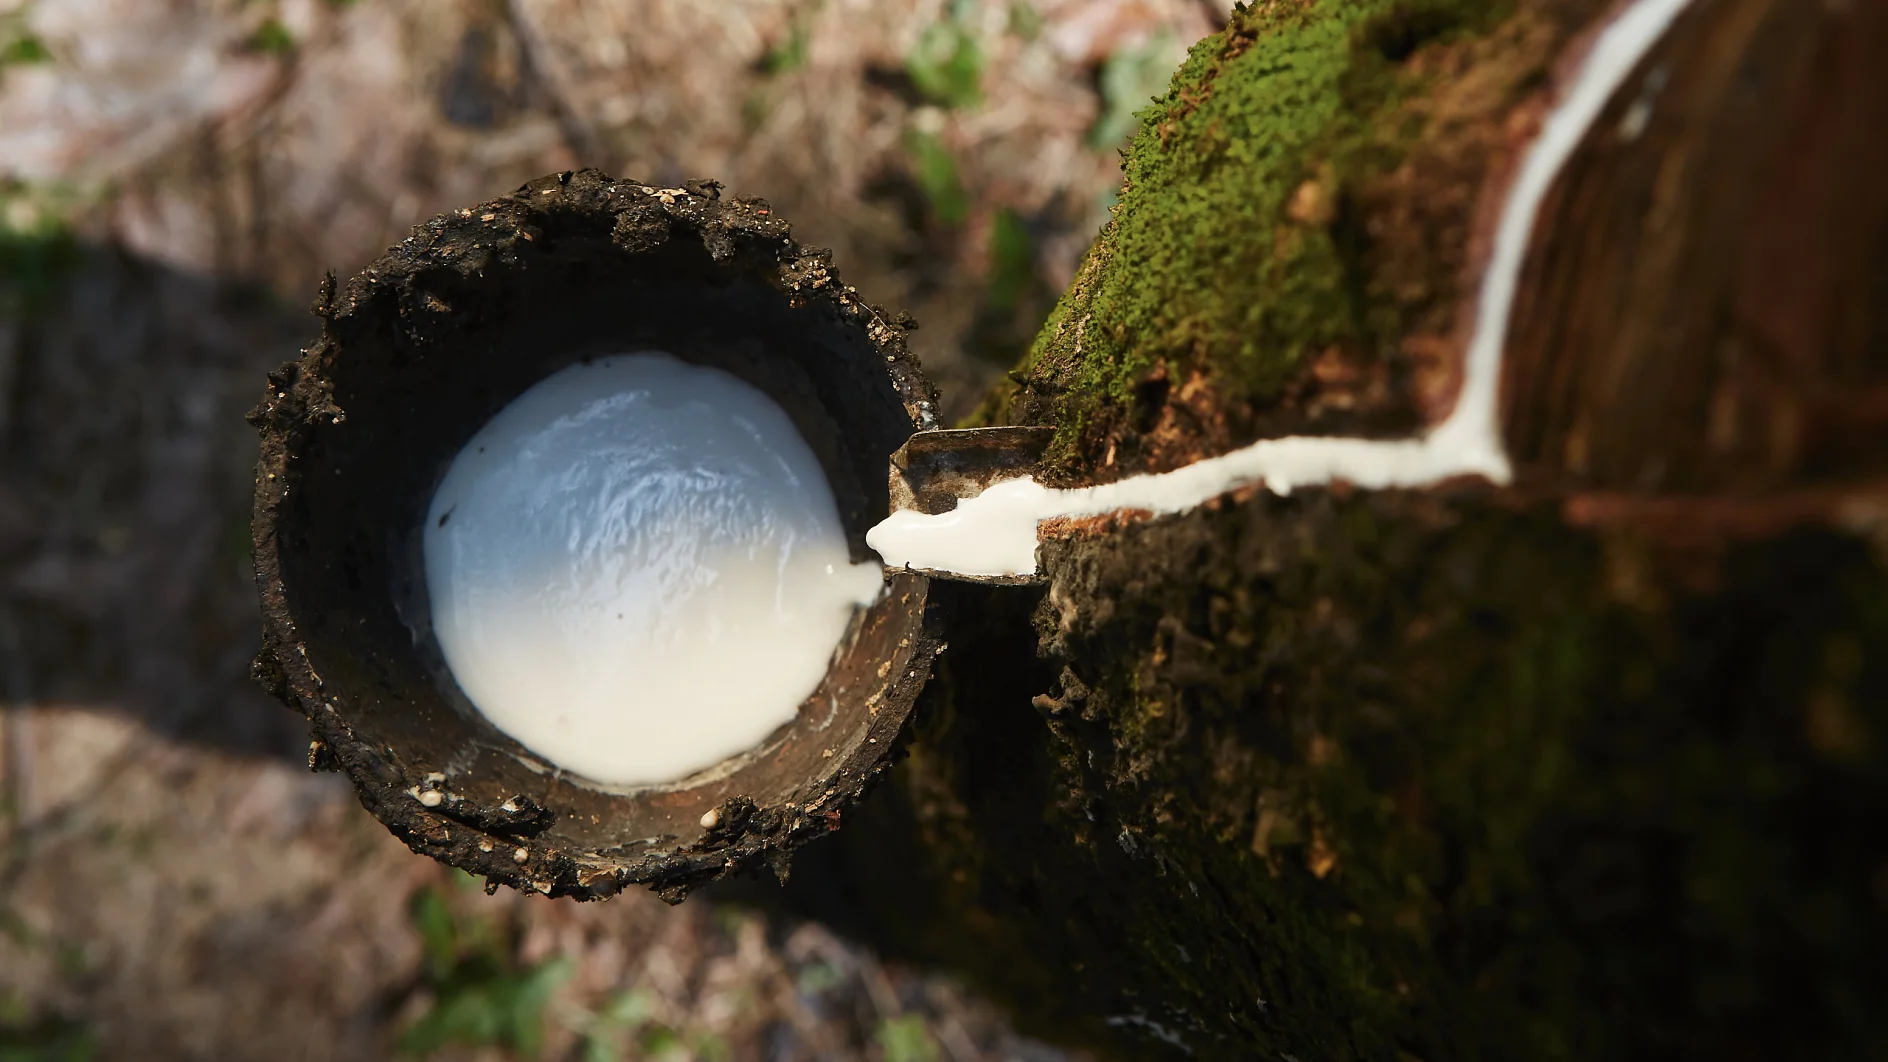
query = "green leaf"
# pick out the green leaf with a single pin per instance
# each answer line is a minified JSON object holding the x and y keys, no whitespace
{"x":12,"y":925}
{"x":1012,"y":261}
{"x":625,"y":1012}
{"x":659,"y":1041}
{"x":711,"y":1048}
{"x":271,"y":38}
{"x":484,"y":998}
{"x":597,"y":1048}
{"x":731,"y":920}
{"x":816,"y":979}
{"x":787,"y":56}
{"x":466,"y":1016}
{"x":629,"y":1010}
{"x":947,"y":65}
{"x":439,"y":935}
{"x":1025,"y":20}
{"x":23,"y":49}
{"x":46,"y":1040}
{"x":524,"y":1003}
{"x":936,"y":173}
{"x":905,"y":1039}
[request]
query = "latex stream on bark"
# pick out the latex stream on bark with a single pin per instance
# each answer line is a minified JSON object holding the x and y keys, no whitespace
{"x":994,"y":532}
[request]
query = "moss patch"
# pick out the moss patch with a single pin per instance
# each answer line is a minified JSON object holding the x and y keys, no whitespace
{"x":1278,"y":236}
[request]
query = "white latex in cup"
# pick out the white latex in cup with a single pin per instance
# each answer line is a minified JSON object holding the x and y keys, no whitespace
{"x":637,"y":569}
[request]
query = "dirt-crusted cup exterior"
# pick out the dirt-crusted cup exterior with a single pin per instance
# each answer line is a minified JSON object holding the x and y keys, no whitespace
{"x":415,"y":355}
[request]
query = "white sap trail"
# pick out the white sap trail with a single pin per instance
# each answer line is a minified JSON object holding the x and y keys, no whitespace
{"x":637,"y":569}
{"x":994,"y":533}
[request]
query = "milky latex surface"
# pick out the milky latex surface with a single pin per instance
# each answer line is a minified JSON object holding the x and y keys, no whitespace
{"x":994,"y":533}
{"x":637,"y":569}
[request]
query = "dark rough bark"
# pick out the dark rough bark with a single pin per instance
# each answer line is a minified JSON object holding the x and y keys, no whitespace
{"x":1588,"y":767}
{"x":1338,"y":777}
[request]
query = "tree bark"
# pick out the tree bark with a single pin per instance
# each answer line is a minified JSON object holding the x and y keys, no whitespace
{"x":1590,"y":765}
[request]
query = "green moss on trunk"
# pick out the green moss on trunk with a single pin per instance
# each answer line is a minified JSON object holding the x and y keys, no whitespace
{"x":1268,"y":222}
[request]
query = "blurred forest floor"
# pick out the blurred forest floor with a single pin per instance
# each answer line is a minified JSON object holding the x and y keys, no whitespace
{"x":175,"y":177}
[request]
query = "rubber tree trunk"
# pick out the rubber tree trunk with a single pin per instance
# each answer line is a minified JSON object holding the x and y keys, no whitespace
{"x":1590,"y":765}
